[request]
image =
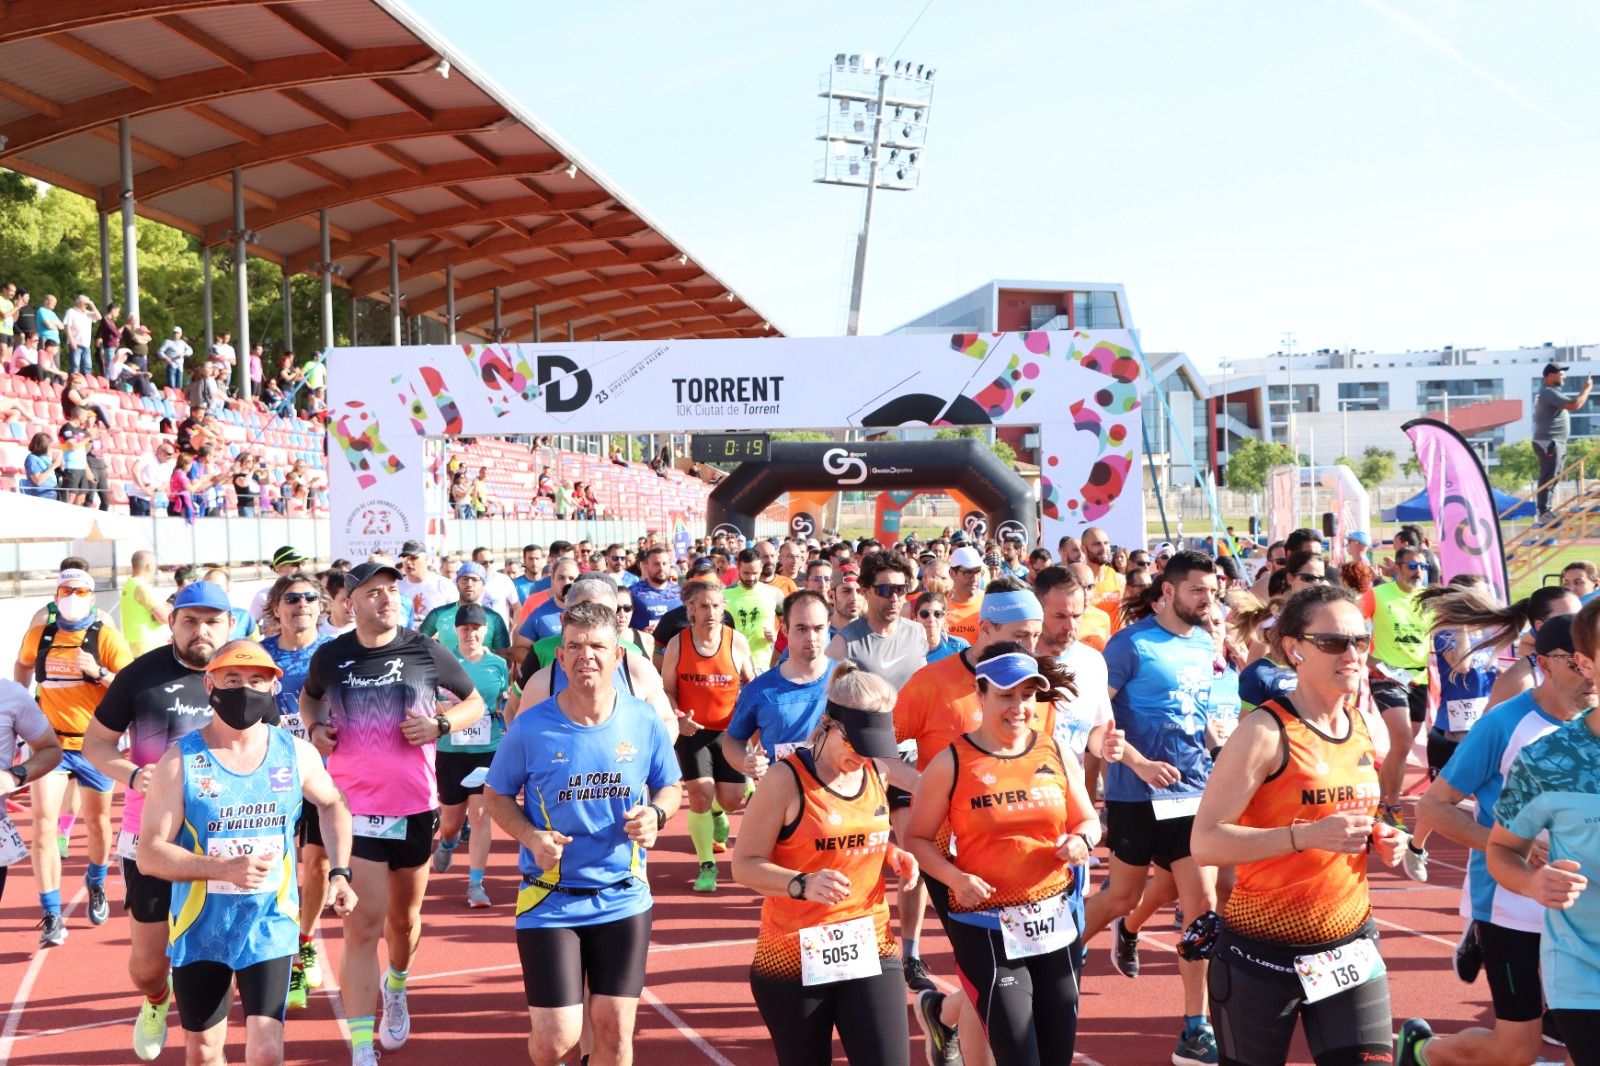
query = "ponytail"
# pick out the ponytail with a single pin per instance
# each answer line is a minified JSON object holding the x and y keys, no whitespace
{"x":1474,"y":607}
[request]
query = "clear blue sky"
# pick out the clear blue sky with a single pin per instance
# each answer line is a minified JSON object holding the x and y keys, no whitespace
{"x":1376,"y":174}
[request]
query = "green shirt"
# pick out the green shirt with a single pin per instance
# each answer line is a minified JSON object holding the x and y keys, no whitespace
{"x":1400,"y":628}
{"x":139,"y":624}
{"x":755,"y":610}
{"x":441,"y":625}
{"x":491,"y":677}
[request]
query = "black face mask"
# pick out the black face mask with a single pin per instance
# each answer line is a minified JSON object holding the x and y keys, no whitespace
{"x":242,"y":708}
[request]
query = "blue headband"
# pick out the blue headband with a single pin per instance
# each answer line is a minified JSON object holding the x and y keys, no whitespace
{"x":1003,"y":607}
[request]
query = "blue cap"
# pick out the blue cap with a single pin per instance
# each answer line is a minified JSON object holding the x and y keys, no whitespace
{"x":205,"y":594}
{"x":1009,"y":671}
{"x":472,"y":570}
{"x":1002,"y":607}
{"x":1360,"y":537}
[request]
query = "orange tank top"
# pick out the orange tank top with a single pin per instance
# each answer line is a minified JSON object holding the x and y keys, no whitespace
{"x":961,"y":618}
{"x":1307,"y":897}
{"x":1008,"y":814}
{"x":849,"y":834}
{"x":708,"y":685}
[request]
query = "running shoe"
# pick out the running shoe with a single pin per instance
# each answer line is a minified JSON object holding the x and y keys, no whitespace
{"x":297,"y":989}
{"x":310,"y":964}
{"x":99,"y":909}
{"x":394,"y":1028}
{"x":62,"y":844}
{"x":941,"y":1041}
{"x":1197,"y":1047}
{"x":1408,"y":1044}
{"x":150,"y":1028}
{"x":476,"y":896}
{"x":917,"y":977}
{"x":52,"y":931}
{"x":1550,"y":1034}
{"x":721,"y":829}
{"x":1124,"y":950}
{"x":1469,"y":954}
{"x":441,"y":858}
{"x":706,"y":879}
{"x":364,"y":1055}
{"x":1414,"y":861}
{"x":1393,"y":815}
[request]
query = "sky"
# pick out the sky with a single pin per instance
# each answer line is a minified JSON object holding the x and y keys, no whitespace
{"x":1383,"y":175}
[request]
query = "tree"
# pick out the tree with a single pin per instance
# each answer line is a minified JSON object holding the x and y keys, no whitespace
{"x":1519,"y":467}
{"x":1377,"y":465}
{"x":1249,"y":463}
{"x":1411,"y":467}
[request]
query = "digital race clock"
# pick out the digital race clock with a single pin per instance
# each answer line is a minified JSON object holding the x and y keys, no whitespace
{"x":730,"y":447}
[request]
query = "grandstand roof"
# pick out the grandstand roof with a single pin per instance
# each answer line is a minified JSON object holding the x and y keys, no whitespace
{"x":345,"y":105}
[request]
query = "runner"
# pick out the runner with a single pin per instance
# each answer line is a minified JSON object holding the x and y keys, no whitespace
{"x":296,"y":602}
{"x":702,"y":670}
{"x":1400,"y":628}
{"x":883,"y":641}
{"x":464,"y":756}
{"x":157,"y":701}
{"x":1106,"y":592}
{"x":1159,"y":670}
{"x":754,"y":606}
{"x":218,"y":824}
{"x":1551,"y":790}
{"x":655,"y":593}
{"x":1292,"y":806}
{"x":370,"y":706}
{"x":815,"y":843}
{"x":72,"y":658}
{"x":545,"y":620}
{"x":1015,"y":820}
{"x":1504,"y":925}
{"x":441,"y":622}
{"x":779,"y":711}
{"x":961,"y":608}
{"x":930,"y":611}
{"x":285,"y":561}
{"x":21,"y":721}
{"x":848,"y":600}
{"x":1466,"y":674}
{"x":584,"y":825}
{"x":144,"y":614}
{"x":421,"y":586}
{"x":1504,"y":629}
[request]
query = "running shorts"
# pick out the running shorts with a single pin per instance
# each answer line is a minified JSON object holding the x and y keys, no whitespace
{"x":204,"y":991}
{"x":1135,"y":836}
{"x":401,"y":853}
{"x":1511,"y":965}
{"x":149,"y":899}
{"x":1440,"y":748}
{"x":868,"y":1013}
{"x":1028,"y":1006}
{"x":700,"y":756}
{"x":557,"y":961}
{"x":310,"y":828}
{"x":74,"y":765}
{"x":453,"y":767}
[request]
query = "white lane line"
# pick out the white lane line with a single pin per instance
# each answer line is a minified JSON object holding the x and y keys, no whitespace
{"x":330,"y":987}
{"x":1451,"y":944}
{"x":19,"y":1003}
{"x":684,"y":1029}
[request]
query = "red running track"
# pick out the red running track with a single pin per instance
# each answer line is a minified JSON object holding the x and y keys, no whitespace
{"x":73,"y":1004}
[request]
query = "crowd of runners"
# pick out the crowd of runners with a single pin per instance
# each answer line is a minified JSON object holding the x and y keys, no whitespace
{"x":1044,"y":746}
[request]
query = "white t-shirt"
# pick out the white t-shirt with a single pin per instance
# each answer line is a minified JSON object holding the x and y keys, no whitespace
{"x":222,"y":353}
{"x":154,"y":471}
{"x":435,"y":590}
{"x":1091,"y":707}
{"x":499,"y":593}
{"x":79,"y":327}
{"x":329,"y":630}
{"x":20,"y":718}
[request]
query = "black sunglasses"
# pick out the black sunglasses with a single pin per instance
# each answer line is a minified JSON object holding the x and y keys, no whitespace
{"x":930,"y":614}
{"x":300,"y":597}
{"x":1337,"y":643}
{"x":1312,"y":579}
{"x":885,"y":591}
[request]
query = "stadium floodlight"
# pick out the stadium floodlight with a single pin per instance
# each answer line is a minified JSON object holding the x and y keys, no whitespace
{"x":838,"y":60}
{"x":871,"y":92}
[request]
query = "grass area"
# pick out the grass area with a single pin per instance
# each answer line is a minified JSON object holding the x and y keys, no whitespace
{"x":1550,"y":571}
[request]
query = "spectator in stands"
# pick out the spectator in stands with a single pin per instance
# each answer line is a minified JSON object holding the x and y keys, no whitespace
{"x":47,"y":367}
{"x":24,"y":353}
{"x":461,"y":496}
{"x":253,"y":371}
{"x":273,"y":399}
{"x":175,"y":353}
{"x":246,"y":486}
{"x":616,"y":456}
{"x":563,"y":501}
{"x":107,"y":335}
{"x":184,"y":484}
{"x":290,"y":378}
{"x":123,"y":372}
{"x":8,"y":318}
{"x":74,"y":438}
{"x":316,"y":376}
{"x":222,"y":359}
{"x":317,"y":403}
{"x":151,"y":472}
{"x":25,"y":319}
{"x":545,"y":486}
{"x":99,"y":480}
{"x":39,"y":468}
{"x":205,"y":392}
{"x":135,"y":337}
{"x":480,"y":493}
{"x":49,"y":321}
{"x":75,"y":397}
{"x":79,"y":322}
{"x":591,"y":503}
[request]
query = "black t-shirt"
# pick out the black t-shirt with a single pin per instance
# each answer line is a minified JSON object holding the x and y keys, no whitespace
{"x":245,"y":487}
{"x":391,"y":680}
{"x":159,"y":699}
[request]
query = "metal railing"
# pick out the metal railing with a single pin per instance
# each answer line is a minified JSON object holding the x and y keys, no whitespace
{"x":1573,"y":519}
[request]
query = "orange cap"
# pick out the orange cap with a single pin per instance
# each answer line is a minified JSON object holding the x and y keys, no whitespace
{"x":243,"y":654}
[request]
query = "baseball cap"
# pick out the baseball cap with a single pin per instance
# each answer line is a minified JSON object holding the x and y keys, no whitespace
{"x":965,"y":558}
{"x":1006,"y":672}
{"x":702,"y":567}
{"x":243,"y":654}
{"x":471,"y":614}
{"x":850,"y":572}
{"x":360,"y":575}
{"x":926,"y":555}
{"x":1360,"y":537}
{"x":1554,"y":368}
{"x":1163,"y":549}
{"x":958,"y":538}
{"x":206,"y":594}
{"x":75,"y":579}
{"x":471,"y":570}
{"x":1555,"y":635}
{"x":286,"y":555}
{"x":412,"y":547}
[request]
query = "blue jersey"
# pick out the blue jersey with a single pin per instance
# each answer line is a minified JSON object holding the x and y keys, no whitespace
{"x":1163,"y":695}
{"x":945,"y":648}
{"x":543,"y":621}
{"x":295,"y":665}
{"x":1478,"y":768}
{"x":1552,"y":787}
{"x":229,"y":814}
{"x":1222,"y":710}
{"x":650,"y":603}
{"x":579,"y":781}
{"x":785,"y":712}
{"x":1463,"y":696}
{"x":625,"y":579}
{"x":1265,"y":680}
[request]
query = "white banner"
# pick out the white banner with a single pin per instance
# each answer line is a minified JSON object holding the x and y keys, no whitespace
{"x":1081,"y":389}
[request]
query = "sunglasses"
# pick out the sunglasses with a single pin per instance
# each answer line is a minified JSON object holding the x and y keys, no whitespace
{"x":75,"y":592}
{"x":930,"y":614}
{"x":886,"y":591}
{"x":1337,"y":643}
{"x":1416,"y":566}
{"x":614,"y":558}
{"x":300,"y":597}
{"x":966,"y":569}
{"x":1312,"y":579}
{"x":1562,"y":657}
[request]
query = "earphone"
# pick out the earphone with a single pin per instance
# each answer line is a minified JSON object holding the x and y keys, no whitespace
{"x":1298,"y":657}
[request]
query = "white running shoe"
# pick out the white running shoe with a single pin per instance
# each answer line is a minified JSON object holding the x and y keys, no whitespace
{"x":476,"y":896}
{"x":365,"y":1055}
{"x":394,"y":1029}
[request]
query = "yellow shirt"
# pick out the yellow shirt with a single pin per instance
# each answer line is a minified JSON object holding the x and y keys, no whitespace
{"x":1095,"y":628}
{"x":1107,"y":595}
{"x":68,"y":701}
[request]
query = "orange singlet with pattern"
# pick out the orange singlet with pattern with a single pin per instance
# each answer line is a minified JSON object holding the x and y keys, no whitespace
{"x":1008,"y":815}
{"x":1309,"y":896}
{"x":940,"y":703}
{"x":708,"y":685}
{"x":849,"y":834}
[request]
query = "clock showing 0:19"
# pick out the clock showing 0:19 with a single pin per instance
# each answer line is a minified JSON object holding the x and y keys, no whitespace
{"x":730,"y":447}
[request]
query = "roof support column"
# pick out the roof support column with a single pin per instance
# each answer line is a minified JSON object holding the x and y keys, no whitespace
{"x":394,"y":292}
{"x":241,"y":276}
{"x":327,"y":282}
{"x":205,"y":295}
{"x":288,"y":317}
{"x":538,"y":330}
{"x":105,"y":262}
{"x":355,"y":319}
{"x":449,"y":303}
{"x":130,"y":229}
{"x":499,"y":331}
{"x":572,"y":332}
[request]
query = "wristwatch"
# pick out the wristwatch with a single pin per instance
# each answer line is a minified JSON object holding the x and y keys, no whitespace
{"x":20,"y":772}
{"x":661,"y":816}
{"x":340,"y":871}
{"x":443,"y":722}
{"x":797,"y":886}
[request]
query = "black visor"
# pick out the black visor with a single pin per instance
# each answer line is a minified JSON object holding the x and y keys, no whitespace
{"x":871,"y":733}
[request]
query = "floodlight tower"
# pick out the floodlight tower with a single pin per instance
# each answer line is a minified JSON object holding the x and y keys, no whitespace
{"x":875,"y":131}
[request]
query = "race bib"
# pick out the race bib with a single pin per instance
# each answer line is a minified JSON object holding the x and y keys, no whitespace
{"x":1327,"y":973}
{"x":128,"y":845}
{"x":1181,"y":807}
{"x":476,"y":778}
{"x":842,"y":951}
{"x":232,"y":848}
{"x":1463,"y":713}
{"x":1037,"y":928}
{"x":1222,"y":729}
{"x":12,"y":849}
{"x":478,"y":732}
{"x":783,"y":751}
{"x":379,"y":826}
{"x":1393,"y":673}
{"x":293,"y":724}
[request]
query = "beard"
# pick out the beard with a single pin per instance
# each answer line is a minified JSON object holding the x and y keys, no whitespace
{"x":1192,"y":616}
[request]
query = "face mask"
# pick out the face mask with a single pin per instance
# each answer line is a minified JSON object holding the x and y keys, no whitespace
{"x":74,"y":609}
{"x":242,"y":708}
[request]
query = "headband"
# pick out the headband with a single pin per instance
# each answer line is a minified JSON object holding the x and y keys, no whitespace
{"x":1003,"y":607}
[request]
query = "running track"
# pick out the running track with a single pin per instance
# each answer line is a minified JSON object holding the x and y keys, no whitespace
{"x":73,"y":1004}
